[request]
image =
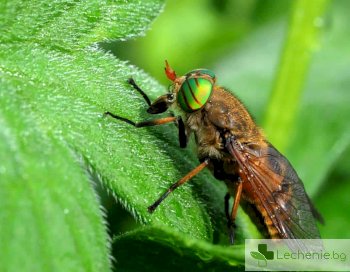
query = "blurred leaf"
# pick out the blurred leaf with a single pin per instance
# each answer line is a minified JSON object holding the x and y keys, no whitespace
{"x":333,"y":200}
{"x":181,"y":36}
{"x":167,"y":251}
{"x":303,"y":29}
{"x":323,"y":129}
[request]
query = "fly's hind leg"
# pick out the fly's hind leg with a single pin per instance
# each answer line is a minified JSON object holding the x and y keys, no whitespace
{"x":231,"y":217}
{"x":177,"y":184}
{"x":230,"y":226}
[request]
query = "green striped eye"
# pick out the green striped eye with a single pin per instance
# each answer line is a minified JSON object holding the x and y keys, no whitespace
{"x":201,"y":72}
{"x":195,"y":91}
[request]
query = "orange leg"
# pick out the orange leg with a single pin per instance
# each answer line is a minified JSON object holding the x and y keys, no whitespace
{"x":186,"y":178}
{"x":232,"y":218}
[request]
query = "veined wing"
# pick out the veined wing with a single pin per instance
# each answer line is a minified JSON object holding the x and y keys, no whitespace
{"x":277,"y":188}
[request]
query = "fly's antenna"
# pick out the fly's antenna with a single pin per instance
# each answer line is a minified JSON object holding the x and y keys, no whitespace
{"x":170,"y":73}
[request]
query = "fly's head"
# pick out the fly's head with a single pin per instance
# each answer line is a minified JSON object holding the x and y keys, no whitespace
{"x":191,"y":91}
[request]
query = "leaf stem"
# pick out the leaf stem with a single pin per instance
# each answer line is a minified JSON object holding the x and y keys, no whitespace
{"x":305,"y":24}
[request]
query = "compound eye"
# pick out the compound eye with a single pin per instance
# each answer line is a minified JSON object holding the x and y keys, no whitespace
{"x":170,"y":97}
{"x":201,"y":73}
{"x":194,"y":93}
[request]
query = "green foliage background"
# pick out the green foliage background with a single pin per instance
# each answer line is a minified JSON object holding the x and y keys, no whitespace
{"x":63,"y":165}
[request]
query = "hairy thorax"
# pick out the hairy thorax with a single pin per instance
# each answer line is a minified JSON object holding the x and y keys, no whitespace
{"x":209,"y":140}
{"x":222,"y":115}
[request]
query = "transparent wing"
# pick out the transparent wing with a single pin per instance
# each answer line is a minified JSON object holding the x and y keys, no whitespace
{"x":277,"y":187}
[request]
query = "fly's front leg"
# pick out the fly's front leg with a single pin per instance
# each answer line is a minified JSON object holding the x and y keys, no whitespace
{"x":183,"y":139}
{"x":132,"y":82}
{"x":148,"y":123}
{"x":160,"y":105}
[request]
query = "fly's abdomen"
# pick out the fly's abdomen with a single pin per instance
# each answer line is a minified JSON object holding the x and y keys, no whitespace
{"x":260,"y":218}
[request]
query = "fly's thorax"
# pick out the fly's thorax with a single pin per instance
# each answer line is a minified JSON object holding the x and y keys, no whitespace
{"x":194,"y":90}
{"x":208,"y":139}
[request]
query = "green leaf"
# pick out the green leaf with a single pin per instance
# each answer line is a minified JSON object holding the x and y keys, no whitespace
{"x":72,"y":25}
{"x":157,"y":249}
{"x":257,"y":255}
{"x":49,"y":212}
{"x":53,"y":138}
{"x":332,"y":199}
